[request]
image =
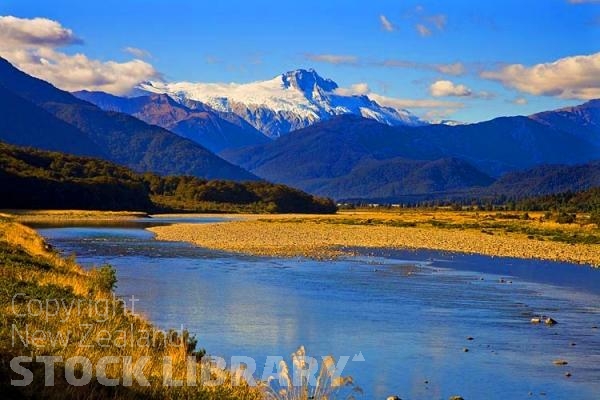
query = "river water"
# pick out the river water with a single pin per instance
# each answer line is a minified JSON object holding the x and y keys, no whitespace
{"x":409,"y":314}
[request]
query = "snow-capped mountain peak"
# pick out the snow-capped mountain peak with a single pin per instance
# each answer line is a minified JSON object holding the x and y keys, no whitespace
{"x":289,"y":101}
{"x":307,"y":81}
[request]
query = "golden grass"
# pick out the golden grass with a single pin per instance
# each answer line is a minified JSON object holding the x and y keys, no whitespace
{"x":326,"y":236}
{"x":40,"y":216}
{"x":30,"y":267}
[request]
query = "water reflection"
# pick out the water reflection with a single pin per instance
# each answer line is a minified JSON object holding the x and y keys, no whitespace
{"x":409,"y":313}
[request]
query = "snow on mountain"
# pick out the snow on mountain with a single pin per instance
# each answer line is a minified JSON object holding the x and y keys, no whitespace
{"x":285,"y":103}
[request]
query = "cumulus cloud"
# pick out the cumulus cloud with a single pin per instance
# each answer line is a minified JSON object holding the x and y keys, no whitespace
{"x":356,"y":89}
{"x":34,"y":32}
{"x":576,"y":77}
{"x":445,"y":88}
{"x":332,"y":58}
{"x":386,"y":24}
{"x":31,"y":45}
{"x":423,"y":30}
{"x":138,"y":53}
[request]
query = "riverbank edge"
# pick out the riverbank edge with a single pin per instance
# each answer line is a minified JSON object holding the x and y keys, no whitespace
{"x":322,"y":241}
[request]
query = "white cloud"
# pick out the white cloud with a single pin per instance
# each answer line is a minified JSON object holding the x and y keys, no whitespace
{"x":138,"y":53}
{"x":451,"y":69}
{"x":485,"y":95}
{"x":333,"y":58}
{"x":423,"y":30}
{"x":583,"y":1}
{"x":520,"y":101}
{"x":34,"y":32}
{"x":414,"y":103}
{"x":31,"y":45}
{"x":448,"y":88}
{"x":439,"y":114}
{"x":448,"y":69}
{"x":356,"y":89}
{"x":386,"y":24}
{"x":576,"y":77}
{"x":364,"y":89}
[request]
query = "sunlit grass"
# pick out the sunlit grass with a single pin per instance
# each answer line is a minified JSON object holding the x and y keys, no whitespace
{"x":29,"y":267}
{"x":293,"y":384}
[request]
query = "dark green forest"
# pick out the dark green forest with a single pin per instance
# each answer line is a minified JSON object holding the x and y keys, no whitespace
{"x":35,"y":179}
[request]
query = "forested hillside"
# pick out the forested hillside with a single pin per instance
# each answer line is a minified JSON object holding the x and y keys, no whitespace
{"x":36,"y":179}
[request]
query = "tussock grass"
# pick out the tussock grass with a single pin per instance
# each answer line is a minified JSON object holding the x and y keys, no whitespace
{"x":329,"y":384}
{"x":30,"y":268}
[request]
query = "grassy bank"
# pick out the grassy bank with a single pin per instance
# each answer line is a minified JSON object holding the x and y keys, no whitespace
{"x":71,"y":216}
{"x":509,"y":234}
{"x":38,"y":286}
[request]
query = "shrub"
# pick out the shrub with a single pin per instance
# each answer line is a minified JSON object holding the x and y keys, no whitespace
{"x":565,"y":218}
{"x":105,"y":278}
{"x":595,"y":217}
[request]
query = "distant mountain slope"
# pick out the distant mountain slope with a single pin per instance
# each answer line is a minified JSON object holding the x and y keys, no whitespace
{"x":582,"y":120}
{"x":217,"y":131}
{"x":118,"y":137}
{"x":507,"y":144}
{"x":349,"y":156}
{"x":353,"y":157}
{"x":396,"y":178}
{"x":547,"y":179}
{"x":288,"y":102}
{"x":329,"y":149}
{"x":23,"y":123}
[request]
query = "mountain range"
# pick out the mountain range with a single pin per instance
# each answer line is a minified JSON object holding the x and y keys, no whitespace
{"x":215,"y":130}
{"x":301,"y":130}
{"x":290,"y":101}
{"x":353,"y":157}
{"x":38,"y":114}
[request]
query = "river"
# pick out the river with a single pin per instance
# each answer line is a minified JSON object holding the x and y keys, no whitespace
{"x":409,"y":314}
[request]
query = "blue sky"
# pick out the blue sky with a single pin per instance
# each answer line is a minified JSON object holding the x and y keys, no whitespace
{"x":443,"y":59}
